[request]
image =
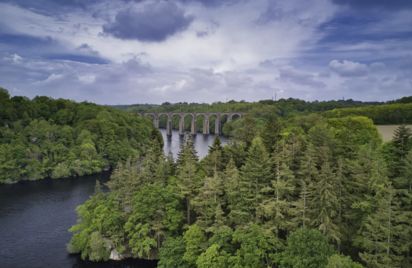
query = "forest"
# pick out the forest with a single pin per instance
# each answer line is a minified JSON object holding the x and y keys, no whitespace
{"x":392,"y":112}
{"x":299,"y":191}
{"x":47,"y":138}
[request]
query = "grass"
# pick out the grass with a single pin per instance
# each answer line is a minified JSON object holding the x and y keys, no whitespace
{"x":387,"y":131}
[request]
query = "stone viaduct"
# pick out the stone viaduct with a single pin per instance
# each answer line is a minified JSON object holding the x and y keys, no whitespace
{"x":182,"y":115}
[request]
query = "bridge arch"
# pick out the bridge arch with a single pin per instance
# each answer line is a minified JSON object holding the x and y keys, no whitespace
{"x":215,"y":117}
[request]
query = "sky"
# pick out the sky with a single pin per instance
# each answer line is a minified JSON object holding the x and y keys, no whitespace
{"x":155,"y":51}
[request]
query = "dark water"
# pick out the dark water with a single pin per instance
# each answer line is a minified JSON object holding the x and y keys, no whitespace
{"x":35,"y":217}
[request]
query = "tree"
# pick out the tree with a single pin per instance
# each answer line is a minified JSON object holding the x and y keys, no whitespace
{"x":377,"y":232}
{"x":401,"y":145}
{"x":324,"y":203}
{"x":209,"y":202}
{"x":195,"y":241}
{"x":256,"y":247}
{"x":307,"y":174}
{"x":276,"y":207}
{"x":171,"y":253}
{"x":339,"y":261}
{"x":406,"y":180}
{"x":255,"y":176}
{"x":271,"y":132}
{"x":213,"y":257}
{"x":214,"y":160}
{"x":306,"y":248}
{"x":236,"y":215}
{"x":100,"y":227}
{"x":155,"y":214}
{"x":187,"y":179}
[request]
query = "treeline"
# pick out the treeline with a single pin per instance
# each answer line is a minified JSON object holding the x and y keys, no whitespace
{"x":306,"y":192}
{"x":44,"y":137}
{"x":396,"y":113}
{"x":391,"y":112}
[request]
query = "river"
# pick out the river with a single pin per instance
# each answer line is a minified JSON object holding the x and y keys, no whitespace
{"x":35,"y":217}
{"x":201,"y":143}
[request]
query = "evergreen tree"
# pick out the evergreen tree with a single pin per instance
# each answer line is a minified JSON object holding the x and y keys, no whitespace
{"x":187,"y":178}
{"x":255,"y":176}
{"x":406,"y":180}
{"x":276,"y":207}
{"x":306,"y":175}
{"x":153,"y":167}
{"x":237,"y":215}
{"x":365,"y":174}
{"x":402,"y":143}
{"x":209,"y":200}
{"x":271,"y":132}
{"x":377,"y":232}
{"x":214,"y":160}
{"x":324,"y":203}
{"x":403,"y":216}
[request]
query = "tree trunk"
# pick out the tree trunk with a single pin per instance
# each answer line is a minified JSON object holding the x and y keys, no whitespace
{"x":188,"y":210}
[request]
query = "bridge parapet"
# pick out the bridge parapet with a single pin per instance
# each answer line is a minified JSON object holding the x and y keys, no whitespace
{"x":182,"y":115}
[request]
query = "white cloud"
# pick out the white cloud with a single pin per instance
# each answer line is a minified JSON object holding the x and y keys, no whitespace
{"x":246,"y":50}
{"x":348,"y":68}
{"x":87,"y":79}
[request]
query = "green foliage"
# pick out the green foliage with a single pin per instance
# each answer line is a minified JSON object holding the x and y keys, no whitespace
{"x":100,"y":228}
{"x":396,"y":113}
{"x":287,"y":191}
{"x":187,"y":177}
{"x":255,"y":176}
{"x":44,"y":137}
{"x":195,"y":241}
{"x":306,"y":248}
{"x":257,"y":247}
{"x":171,"y":253}
{"x":155,"y":214}
{"x":339,"y":261}
{"x":213,"y":257}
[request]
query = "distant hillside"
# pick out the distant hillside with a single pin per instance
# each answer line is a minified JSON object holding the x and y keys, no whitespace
{"x":44,"y":137}
{"x":394,"y":113}
{"x":284,"y":106}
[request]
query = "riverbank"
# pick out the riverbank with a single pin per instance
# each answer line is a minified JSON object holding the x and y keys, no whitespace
{"x":36,"y":215}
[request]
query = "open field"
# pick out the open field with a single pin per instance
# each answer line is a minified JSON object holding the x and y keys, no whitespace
{"x":387,"y":131}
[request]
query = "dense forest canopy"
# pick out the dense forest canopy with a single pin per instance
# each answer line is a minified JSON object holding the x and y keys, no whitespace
{"x":302,"y":191}
{"x":299,"y":185}
{"x":44,"y":137}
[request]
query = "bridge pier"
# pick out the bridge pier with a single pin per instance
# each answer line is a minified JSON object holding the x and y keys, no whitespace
{"x":169,"y":125}
{"x":193,"y":125}
{"x":181,"y":125}
{"x":156,"y":122}
{"x":217,"y":124}
{"x":206,"y":121}
{"x":206,"y":125}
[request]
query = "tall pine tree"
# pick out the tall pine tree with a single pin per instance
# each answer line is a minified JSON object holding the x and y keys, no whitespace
{"x":255,"y":176}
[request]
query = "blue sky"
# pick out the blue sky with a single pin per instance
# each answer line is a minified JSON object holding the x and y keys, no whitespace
{"x":152,"y":51}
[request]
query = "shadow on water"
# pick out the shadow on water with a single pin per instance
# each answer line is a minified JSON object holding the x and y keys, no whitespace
{"x":128,"y":263}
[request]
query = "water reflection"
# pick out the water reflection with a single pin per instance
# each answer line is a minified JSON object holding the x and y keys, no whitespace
{"x":201,"y":142}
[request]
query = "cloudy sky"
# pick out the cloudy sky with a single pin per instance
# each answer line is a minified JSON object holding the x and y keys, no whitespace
{"x":152,"y":51}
